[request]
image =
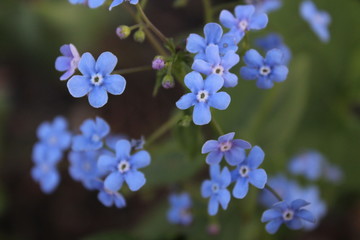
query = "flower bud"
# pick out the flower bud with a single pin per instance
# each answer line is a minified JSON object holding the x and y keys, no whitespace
{"x":213,"y":229}
{"x":158,"y":63}
{"x":123,"y":31}
{"x":139,"y":36}
{"x":168,"y":82}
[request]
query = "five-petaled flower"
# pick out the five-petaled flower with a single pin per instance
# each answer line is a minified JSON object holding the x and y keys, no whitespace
{"x":69,"y":62}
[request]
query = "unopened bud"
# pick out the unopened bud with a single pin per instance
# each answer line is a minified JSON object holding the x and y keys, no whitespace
{"x":139,"y":36}
{"x":168,"y":82}
{"x":123,"y":31}
{"x":213,"y":229}
{"x":158,"y":63}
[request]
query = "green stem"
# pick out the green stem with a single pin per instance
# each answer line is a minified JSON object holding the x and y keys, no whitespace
{"x":108,"y":148}
{"x":273,"y":192}
{"x":164,"y":128}
{"x":150,"y":24}
{"x":217,"y":126}
{"x":208,"y":11}
{"x":133,"y":70}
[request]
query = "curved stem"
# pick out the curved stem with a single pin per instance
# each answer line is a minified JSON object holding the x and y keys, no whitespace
{"x":208,"y":11}
{"x":133,"y":70}
{"x":267,"y":186}
{"x":217,"y":127}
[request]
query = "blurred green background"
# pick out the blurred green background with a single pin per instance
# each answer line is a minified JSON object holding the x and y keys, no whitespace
{"x":317,"y":107}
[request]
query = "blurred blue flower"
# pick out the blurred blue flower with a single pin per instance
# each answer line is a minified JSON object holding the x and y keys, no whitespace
{"x":44,"y":172}
{"x":213,"y":35}
{"x":215,"y":64}
{"x":265,"y":5}
{"x":244,"y":20}
{"x":93,"y":133}
{"x":138,"y":144}
{"x":90,"y":3}
{"x":292,"y":215}
{"x":272,"y":41}
{"x":318,"y":20}
{"x":216,"y":189}
{"x":124,"y":167}
{"x":55,"y":136}
{"x":309,"y":164}
{"x":226,"y":145}
{"x":109,"y":198}
{"x":118,"y":2}
{"x":247,"y":172}
{"x":96,"y":80}
{"x":179,"y":212}
{"x":333,"y":173}
{"x":69,"y":62}
{"x":203,"y":96}
{"x":266,"y":71}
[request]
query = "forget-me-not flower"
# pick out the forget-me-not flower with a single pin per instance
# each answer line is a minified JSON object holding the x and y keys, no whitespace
{"x":272,"y":41}
{"x":109,"y":198}
{"x":310,"y":164}
{"x":216,"y":189}
{"x":69,"y":62}
{"x":318,"y":20}
{"x":226,"y":146}
{"x":97,"y":80}
{"x":289,"y":214}
{"x":265,"y":5}
{"x":118,"y":2}
{"x":244,"y":20}
{"x":179,"y":212}
{"x":203,"y":96}
{"x":93,"y":133}
{"x":124,"y":167}
{"x":248,"y":172}
{"x":213,"y":35}
{"x":266,"y":70}
{"x":215,"y":64}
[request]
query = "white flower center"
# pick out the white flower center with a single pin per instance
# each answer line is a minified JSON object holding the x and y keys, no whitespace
{"x":215,"y":187}
{"x":243,"y":24}
{"x":265,"y":70}
{"x":95,"y":138}
{"x":53,"y":140}
{"x":123,"y":166}
{"x":218,"y":70}
{"x":86,"y":166}
{"x":225,"y":146}
{"x":288,"y":215}
{"x":74,"y":62}
{"x":202,"y":96}
{"x":97,"y":79}
{"x":244,"y":171}
{"x":45,"y":167}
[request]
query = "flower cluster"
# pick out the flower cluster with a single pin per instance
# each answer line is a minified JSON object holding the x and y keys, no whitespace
{"x":98,"y":3}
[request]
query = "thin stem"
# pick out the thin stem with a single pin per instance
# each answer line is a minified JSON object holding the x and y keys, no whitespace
{"x":133,"y":70}
{"x":273,"y":192}
{"x":164,"y":128}
{"x":208,"y":11}
{"x":217,"y":126}
{"x":151,"y":25}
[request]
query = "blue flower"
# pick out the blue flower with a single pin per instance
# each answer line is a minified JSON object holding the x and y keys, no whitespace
{"x":118,"y":2}
{"x":216,"y":189}
{"x":138,"y":144}
{"x":93,"y":133}
{"x":215,"y":64}
{"x":96,"y":80}
{"x":265,"y":5}
{"x":266,"y":71}
{"x":318,"y":20}
{"x":90,"y":3}
{"x":109,"y":198}
{"x":333,"y":173}
{"x":271,"y":41}
{"x":179,"y":212}
{"x":244,"y":20}
{"x":310,"y":164}
{"x":213,"y":35}
{"x":55,"y":135}
{"x":226,"y":145}
{"x":69,"y":62}
{"x":203,"y":96}
{"x":44,"y":172}
{"x":290,"y":214}
{"x":247,"y":172}
{"x":124,"y":167}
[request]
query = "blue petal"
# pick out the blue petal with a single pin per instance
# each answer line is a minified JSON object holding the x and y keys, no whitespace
{"x":307,"y":10}
{"x":258,"y":178}
{"x":201,"y":66}
{"x":119,"y":200}
{"x":273,"y":225}
{"x":95,"y":3}
{"x":227,"y":19}
{"x":258,"y":21}
{"x":115,"y":84}
{"x":49,"y":183}
{"x":214,"y":157}
{"x":321,"y":31}
{"x":253,"y":59}
{"x":201,"y":114}
{"x":140,"y":159}
{"x":249,"y":73}
{"x":215,"y":171}
{"x":243,"y":12}
{"x":241,"y":188}
{"x":67,"y":74}
{"x":123,"y":148}
{"x":294,"y":224}
{"x":106,"y":63}
{"x":135,"y":180}
{"x":212,"y":54}
{"x":298,"y":203}
{"x":264,"y":83}
{"x":114,"y":181}
{"x":115,"y":3}
{"x":105,"y":198}
{"x":79,"y":86}
{"x":256,"y":157}
{"x":194,"y":81}
{"x":98,"y":97}
{"x":270,"y":214}
{"x":241,"y":143}
{"x":88,"y":127}
{"x":102,"y":127}
{"x":87,"y":64}
{"x":229,"y":60}
{"x":220,"y":100}
{"x":209,"y":146}
{"x":306,"y":215}
{"x":62,"y":63}
{"x":213,"y":33}
{"x":65,"y":50}
{"x":195,"y":43}
{"x":224,"y":198}
{"x":186,"y":101}
{"x":213,"y":83}
{"x":213,"y":206}
{"x":230,"y":80}
{"x":226,"y":137}
{"x":206,"y":189}
{"x":274,"y":57}
{"x":107,"y":163}
{"x":225,"y":178}
{"x":235,"y":156}
{"x":279,"y":73}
